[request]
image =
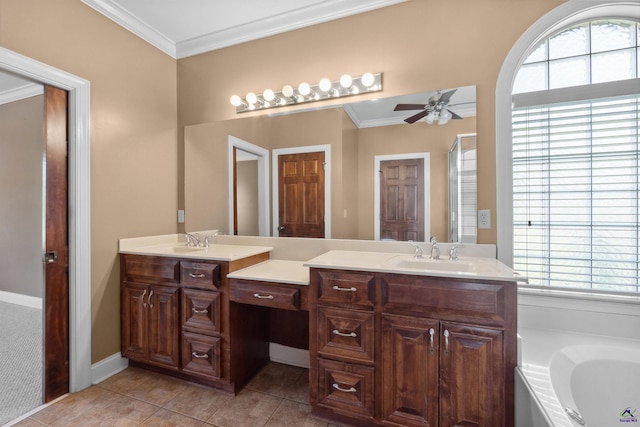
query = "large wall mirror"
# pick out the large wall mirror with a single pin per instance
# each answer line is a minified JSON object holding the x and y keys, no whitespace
{"x":361,"y":170}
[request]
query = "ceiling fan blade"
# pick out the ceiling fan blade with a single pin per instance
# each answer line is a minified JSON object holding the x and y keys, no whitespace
{"x":454,"y":115}
{"x":445,"y":97}
{"x":402,"y":107}
{"x":417,"y":117}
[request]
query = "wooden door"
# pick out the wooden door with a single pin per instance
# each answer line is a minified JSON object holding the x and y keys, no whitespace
{"x":409,"y":371}
{"x":472,"y":383}
{"x":301,"y":195}
{"x":56,"y":292}
{"x":135,"y":323}
{"x":402,"y":199}
{"x":164,"y":325}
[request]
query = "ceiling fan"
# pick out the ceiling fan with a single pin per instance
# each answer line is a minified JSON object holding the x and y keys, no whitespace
{"x":435,"y":110}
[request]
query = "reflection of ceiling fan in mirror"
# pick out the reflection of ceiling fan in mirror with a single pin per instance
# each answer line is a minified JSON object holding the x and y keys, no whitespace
{"x":437,"y":110}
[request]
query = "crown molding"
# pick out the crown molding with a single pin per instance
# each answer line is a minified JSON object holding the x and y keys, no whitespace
{"x":293,"y":20}
{"x":296,"y":19}
{"x":132,"y":23}
{"x":20,"y":93}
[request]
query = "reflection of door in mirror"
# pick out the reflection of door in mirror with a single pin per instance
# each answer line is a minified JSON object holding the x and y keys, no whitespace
{"x":463,"y":186}
{"x":402,"y":197}
{"x":248,"y":188}
{"x":301,"y":195}
{"x":245,"y":206}
{"x":402,"y":200}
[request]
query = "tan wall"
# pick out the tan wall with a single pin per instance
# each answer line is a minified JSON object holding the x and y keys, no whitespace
{"x":419,"y":45}
{"x":133,"y":132}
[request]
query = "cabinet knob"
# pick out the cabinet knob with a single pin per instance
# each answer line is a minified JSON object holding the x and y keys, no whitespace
{"x":446,"y":341}
{"x":263,"y":296}
{"x":197,"y":275}
{"x":196,"y":311}
{"x":432,"y":332}
{"x":144,"y":303}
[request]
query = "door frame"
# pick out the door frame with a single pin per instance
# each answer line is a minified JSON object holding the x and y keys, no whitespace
{"x":376,"y":190}
{"x":327,"y":182}
{"x":79,"y":206}
{"x":263,"y":178}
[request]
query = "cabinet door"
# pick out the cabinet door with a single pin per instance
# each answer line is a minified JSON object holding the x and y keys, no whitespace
{"x":409,"y":371}
{"x":472,"y":376}
{"x":164,"y":326}
{"x":135,"y":325}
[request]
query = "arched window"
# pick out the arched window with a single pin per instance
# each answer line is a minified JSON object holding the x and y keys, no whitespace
{"x":575,"y":158}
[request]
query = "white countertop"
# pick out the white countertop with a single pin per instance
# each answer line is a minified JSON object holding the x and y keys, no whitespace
{"x":172,"y":245}
{"x":468,"y":267}
{"x":276,"y":271}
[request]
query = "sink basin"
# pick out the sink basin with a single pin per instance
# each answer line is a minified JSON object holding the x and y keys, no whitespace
{"x":432,"y":264}
{"x":181,"y":249}
{"x":474,"y":266}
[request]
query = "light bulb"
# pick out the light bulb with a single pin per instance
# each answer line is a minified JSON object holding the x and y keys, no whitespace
{"x":304,"y":89}
{"x":430,"y":117}
{"x":236,"y":101}
{"x":346,"y":81}
{"x":268,"y":95}
{"x":287,"y":91}
{"x":251,"y":98}
{"x":325,"y":85}
{"x":367,"y":79}
{"x":445,"y":115}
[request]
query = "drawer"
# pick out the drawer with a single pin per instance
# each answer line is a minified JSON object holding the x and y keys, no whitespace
{"x":149,"y":269}
{"x":201,"y":355}
{"x":265,"y":295}
{"x":460,"y":300}
{"x":346,"y":388}
{"x":346,"y":289}
{"x":201,"y":311}
{"x":346,"y":334}
{"x":200,"y":275}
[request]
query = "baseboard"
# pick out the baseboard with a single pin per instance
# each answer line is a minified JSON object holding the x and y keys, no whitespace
{"x":105,"y":368}
{"x":19,"y":299}
{"x":289,"y":355}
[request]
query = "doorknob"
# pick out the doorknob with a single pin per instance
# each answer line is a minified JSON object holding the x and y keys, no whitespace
{"x":281,"y":228}
{"x":50,"y":257}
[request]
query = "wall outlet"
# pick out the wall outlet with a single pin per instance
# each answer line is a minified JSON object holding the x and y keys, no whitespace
{"x":181,"y":216}
{"x":484,"y":218}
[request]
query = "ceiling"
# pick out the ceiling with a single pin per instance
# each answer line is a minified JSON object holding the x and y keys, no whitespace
{"x":183,"y":28}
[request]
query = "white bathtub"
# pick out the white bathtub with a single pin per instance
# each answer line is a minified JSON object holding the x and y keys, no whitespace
{"x":567,"y":378}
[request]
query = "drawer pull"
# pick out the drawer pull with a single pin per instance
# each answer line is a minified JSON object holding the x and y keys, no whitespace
{"x":263,"y":296}
{"x":149,"y":299}
{"x":144,"y":304}
{"x":446,"y":341}
{"x":196,"y":311}
{"x":200,"y":355}
{"x":342,"y":334}
{"x":338,"y":288}
{"x":197,"y":275}
{"x":344,"y":390}
{"x":431,"y":334}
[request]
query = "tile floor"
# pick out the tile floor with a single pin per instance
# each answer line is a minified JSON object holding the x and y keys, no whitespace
{"x":276,"y":396}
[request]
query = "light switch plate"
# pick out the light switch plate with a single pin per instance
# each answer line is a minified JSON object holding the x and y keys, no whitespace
{"x":181,"y":216}
{"x":484,"y":218}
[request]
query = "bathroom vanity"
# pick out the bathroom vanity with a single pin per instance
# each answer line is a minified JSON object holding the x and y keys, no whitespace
{"x":393,"y":339}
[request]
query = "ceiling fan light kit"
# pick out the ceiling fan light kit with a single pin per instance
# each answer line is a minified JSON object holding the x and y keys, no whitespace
{"x":436,"y":110}
{"x":305,"y":92}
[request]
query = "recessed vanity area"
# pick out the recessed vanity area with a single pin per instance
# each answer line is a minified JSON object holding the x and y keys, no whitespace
{"x":392,"y":339}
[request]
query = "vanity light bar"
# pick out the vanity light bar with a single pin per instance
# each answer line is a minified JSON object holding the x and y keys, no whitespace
{"x":325,"y":89}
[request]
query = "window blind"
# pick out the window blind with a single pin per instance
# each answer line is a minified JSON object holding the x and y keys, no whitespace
{"x":576,"y":206}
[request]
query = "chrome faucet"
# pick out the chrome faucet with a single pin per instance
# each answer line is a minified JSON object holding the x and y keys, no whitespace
{"x":418,"y":252}
{"x":435,"y":248}
{"x":453,"y":253}
{"x":191,"y":240}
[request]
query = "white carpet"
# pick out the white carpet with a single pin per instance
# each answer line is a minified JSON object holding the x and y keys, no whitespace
{"x":20,"y":360}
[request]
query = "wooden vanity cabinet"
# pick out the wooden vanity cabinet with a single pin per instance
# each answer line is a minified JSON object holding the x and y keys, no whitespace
{"x":176,"y":319}
{"x":416,"y":351}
